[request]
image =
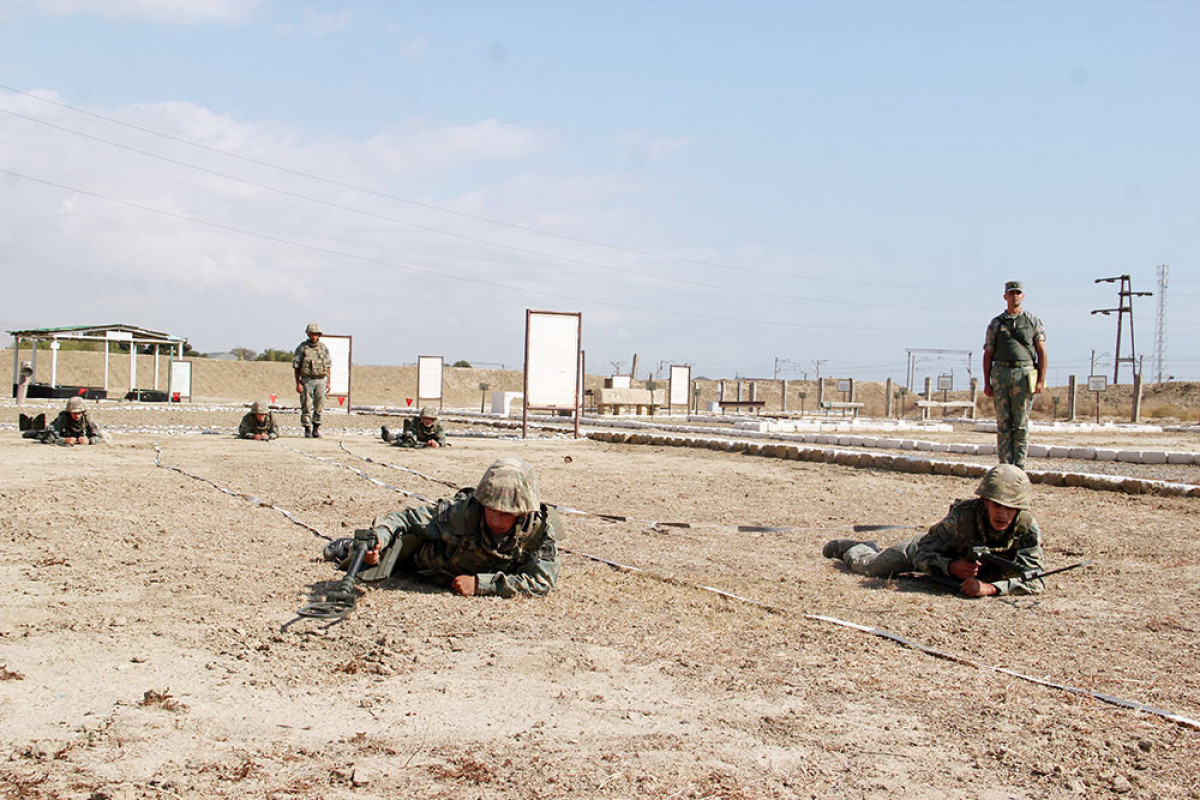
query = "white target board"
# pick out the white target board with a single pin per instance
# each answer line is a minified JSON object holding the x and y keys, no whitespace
{"x":429,"y":377}
{"x":553,"y":358}
{"x":179,"y":382}
{"x":681,"y":386}
{"x":341,"y":349}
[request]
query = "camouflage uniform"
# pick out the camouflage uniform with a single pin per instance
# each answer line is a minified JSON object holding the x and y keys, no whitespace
{"x":450,"y":538}
{"x":63,"y":427}
{"x":965,"y":527}
{"x":312,"y":362}
{"x":417,"y":435}
{"x":1014,"y":359}
{"x":251,"y":426}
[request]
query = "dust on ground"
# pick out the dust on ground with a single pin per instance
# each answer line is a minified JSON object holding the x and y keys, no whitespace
{"x":144,"y":654}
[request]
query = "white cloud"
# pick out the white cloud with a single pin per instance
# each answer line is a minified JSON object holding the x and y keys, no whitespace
{"x":179,"y":12}
{"x":320,"y":23}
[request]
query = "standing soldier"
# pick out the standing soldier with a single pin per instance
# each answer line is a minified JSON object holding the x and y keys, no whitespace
{"x":312,"y":366}
{"x":497,"y":539}
{"x":1014,"y":370}
{"x":259,"y":423}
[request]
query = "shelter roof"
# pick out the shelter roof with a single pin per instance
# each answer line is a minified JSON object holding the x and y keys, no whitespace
{"x":101,"y":333}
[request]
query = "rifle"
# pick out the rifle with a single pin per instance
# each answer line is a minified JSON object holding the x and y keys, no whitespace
{"x":1009,"y":569}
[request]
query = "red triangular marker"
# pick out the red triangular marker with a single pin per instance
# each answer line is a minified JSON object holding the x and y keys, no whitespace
{"x":273,"y":397}
{"x":341,"y":400}
{"x":82,"y":390}
{"x":408,"y":400}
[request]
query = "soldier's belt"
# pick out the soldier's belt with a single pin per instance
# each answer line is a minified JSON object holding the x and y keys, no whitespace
{"x":1012,"y":364}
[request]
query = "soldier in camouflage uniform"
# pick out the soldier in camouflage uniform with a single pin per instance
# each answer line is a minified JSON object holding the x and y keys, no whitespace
{"x":1014,"y":369}
{"x":70,"y":427}
{"x":259,"y":423}
{"x":422,"y":431}
{"x":496,"y":539}
{"x":997,"y":521}
{"x":312,"y":365}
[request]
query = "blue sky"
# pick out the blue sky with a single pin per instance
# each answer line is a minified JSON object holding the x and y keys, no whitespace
{"x":746,"y":187}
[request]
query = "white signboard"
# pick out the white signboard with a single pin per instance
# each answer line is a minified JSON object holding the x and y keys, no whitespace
{"x":1097,"y":383}
{"x":681,"y":382}
{"x":945,"y":382}
{"x":843,"y":385}
{"x":429,"y":377}
{"x":552,"y":345}
{"x":179,"y":382}
{"x":340,"y":354}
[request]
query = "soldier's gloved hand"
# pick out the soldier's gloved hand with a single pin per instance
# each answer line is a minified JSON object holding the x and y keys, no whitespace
{"x":963,"y":569}
{"x":464,"y":585}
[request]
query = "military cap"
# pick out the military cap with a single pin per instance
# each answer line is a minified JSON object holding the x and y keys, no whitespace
{"x":261,"y":407}
{"x":1014,"y":286}
{"x":75,"y":404}
{"x":314,"y":328}
{"x":509,"y":485}
{"x":429,"y":412}
{"x":1007,"y":485}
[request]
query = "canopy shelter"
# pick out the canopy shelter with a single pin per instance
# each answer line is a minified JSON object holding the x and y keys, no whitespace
{"x":130,"y":334}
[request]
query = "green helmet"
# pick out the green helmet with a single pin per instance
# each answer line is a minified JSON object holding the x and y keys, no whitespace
{"x":75,"y":404}
{"x":313,"y":328}
{"x":429,"y":412}
{"x":1007,"y":485}
{"x":261,"y":407}
{"x":509,"y":485}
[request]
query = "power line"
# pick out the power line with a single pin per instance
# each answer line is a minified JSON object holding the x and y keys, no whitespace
{"x":420,"y":270}
{"x":440,"y":209}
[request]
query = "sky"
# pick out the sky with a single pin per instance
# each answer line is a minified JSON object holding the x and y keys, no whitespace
{"x":756,"y":189}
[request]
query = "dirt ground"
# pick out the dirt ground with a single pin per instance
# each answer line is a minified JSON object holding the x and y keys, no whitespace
{"x":149,"y":646}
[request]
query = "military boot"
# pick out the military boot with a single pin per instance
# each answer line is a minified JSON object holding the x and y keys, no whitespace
{"x":386,"y":433}
{"x":836,"y":548}
{"x":307,"y":432}
{"x":316,"y":431}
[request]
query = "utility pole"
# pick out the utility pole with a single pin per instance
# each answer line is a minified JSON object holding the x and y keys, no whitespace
{"x":1125,"y":295}
{"x":1160,"y":324}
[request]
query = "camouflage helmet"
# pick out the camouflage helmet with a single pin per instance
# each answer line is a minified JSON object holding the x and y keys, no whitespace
{"x":509,"y":485}
{"x":261,"y":407}
{"x":75,"y":404}
{"x":314,"y":328}
{"x":1007,"y":485}
{"x":429,"y":412}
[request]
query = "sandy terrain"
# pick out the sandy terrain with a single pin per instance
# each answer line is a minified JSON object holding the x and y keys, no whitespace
{"x":149,"y":646}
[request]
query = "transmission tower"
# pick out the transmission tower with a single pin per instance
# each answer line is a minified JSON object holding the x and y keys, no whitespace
{"x":1160,"y":324}
{"x":1125,"y":297}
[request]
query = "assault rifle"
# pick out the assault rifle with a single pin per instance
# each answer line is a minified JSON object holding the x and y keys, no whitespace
{"x":1006,"y":568}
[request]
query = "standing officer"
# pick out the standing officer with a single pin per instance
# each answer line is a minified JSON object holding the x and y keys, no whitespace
{"x":312,"y":365}
{"x":1014,"y":370}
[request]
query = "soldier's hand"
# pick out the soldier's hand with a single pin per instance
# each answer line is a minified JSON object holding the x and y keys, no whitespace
{"x":973,"y":587}
{"x":464,"y":585}
{"x":963,"y":569}
{"x":432,"y":443}
{"x":987,"y":390}
{"x":299,"y":387}
{"x":366,"y":536}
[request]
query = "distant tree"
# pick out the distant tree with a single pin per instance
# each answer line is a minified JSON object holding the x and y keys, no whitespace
{"x":274,"y":355}
{"x":192,"y":352}
{"x":461,"y":363}
{"x":244,"y":353}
